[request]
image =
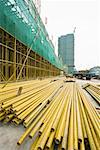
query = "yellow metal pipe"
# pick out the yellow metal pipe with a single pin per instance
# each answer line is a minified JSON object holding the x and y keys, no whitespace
{"x":53,"y":102}
{"x":2,"y":113}
{"x":16,"y":121}
{"x":53,"y":106}
{"x":91,"y":141}
{"x":71,"y":128}
{"x":61,"y":124}
{"x":52,"y":116}
{"x":43,"y":138}
{"x":65,"y":136}
{"x":45,"y":134}
{"x":59,"y":113}
{"x":50,"y":140}
{"x":52,"y":113}
{"x":96,"y":140}
{"x":34,"y":143}
{"x":79,"y":119}
{"x":28,"y":130}
{"x":33,"y":115}
{"x":75,"y":120}
{"x":93,"y":116}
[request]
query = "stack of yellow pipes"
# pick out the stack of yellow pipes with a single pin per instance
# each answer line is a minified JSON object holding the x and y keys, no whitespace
{"x":57,"y":116}
{"x":93,"y":90}
{"x":12,"y":88}
{"x":34,"y":96}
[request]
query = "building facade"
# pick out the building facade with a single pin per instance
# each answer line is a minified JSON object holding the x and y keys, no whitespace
{"x":66,"y":51}
{"x":26,"y":51}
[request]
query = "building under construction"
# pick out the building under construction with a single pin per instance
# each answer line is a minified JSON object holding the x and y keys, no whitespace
{"x":25,"y":48}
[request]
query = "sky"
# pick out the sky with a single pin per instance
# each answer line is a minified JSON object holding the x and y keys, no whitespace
{"x":64,"y":15}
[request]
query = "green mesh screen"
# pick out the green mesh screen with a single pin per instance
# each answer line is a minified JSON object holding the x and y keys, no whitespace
{"x":21,"y":19}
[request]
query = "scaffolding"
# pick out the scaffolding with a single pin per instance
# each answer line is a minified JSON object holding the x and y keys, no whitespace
{"x":12,"y":56}
{"x":19,"y":25}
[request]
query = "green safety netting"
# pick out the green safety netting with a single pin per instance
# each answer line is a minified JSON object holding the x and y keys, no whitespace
{"x":21,"y":19}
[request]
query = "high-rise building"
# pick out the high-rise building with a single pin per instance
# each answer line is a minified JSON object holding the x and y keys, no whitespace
{"x":66,"y":51}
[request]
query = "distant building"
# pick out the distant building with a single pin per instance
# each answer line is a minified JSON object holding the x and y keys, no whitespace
{"x":66,"y":51}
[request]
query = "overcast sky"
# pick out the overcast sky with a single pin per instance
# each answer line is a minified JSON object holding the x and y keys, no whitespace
{"x":64,"y":15}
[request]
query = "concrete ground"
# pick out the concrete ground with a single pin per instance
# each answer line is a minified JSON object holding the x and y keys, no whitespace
{"x":10,"y":134}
